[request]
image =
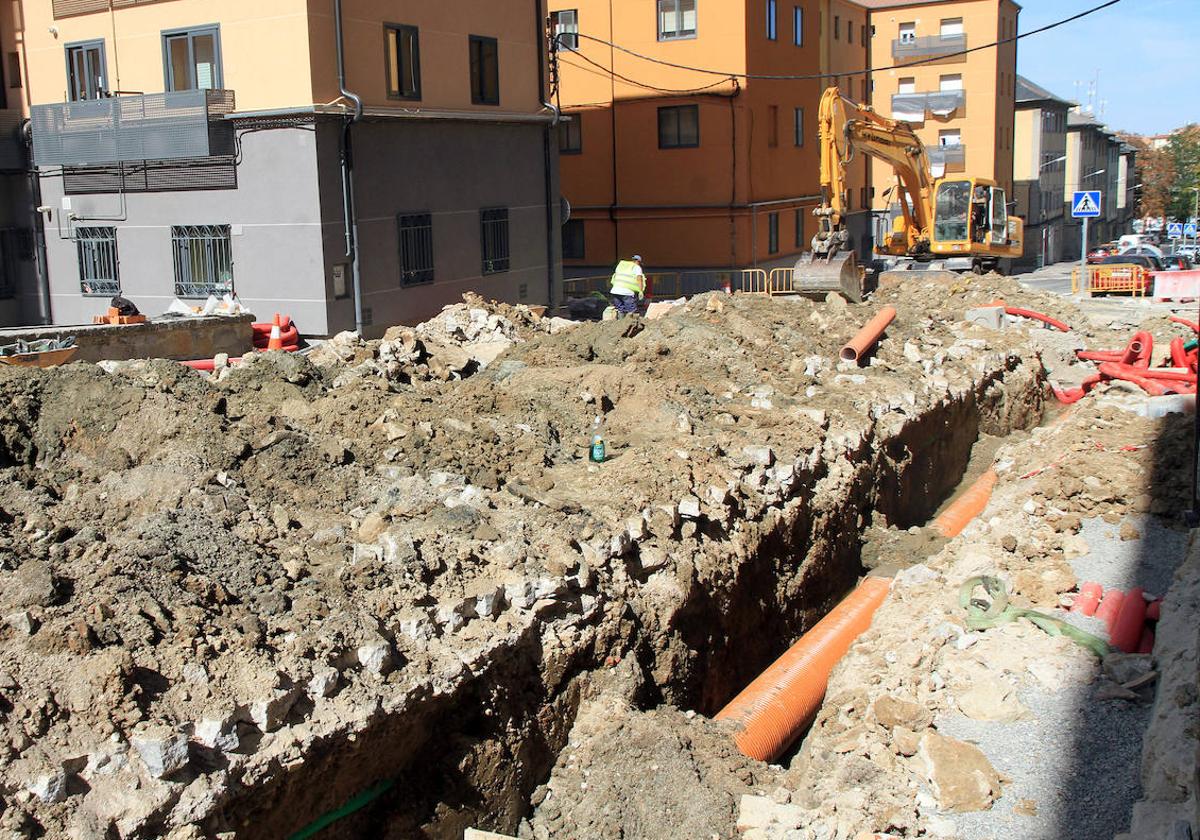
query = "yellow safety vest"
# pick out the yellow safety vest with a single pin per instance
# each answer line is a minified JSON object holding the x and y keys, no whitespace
{"x":627,"y":279}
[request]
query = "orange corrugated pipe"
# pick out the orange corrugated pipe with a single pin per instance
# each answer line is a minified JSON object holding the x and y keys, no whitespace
{"x":967,"y":506}
{"x":774,"y":710}
{"x":868,"y":335}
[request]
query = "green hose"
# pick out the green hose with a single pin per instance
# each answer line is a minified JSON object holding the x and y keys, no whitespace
{"x":358,"y":802}
{"x":1190,"y":346}
{"x":981,"y":615}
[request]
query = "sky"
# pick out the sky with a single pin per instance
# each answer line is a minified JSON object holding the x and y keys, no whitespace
{"x":1144,"y":50}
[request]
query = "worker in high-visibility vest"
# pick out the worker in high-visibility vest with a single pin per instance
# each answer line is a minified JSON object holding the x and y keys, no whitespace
{"x":628,"y":286}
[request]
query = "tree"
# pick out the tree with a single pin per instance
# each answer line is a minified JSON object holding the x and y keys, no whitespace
{"x":1156,"y":174}
{"x":1184,"y":152}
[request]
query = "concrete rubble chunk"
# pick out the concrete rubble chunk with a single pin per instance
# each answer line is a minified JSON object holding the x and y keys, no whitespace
{"x":892,"y":711}
{"x":324,"y":681}
{"x":419,"y":626}
{"x":375,"y":657}
{"x":217,"y":730}
{"x":489,"y":600}
{"x":269,"y":713}
{"x":163,"y":749}
{"x":689,"y":507}
{"x":763,"y":456}
{"x":962,"y":778}
{"x":49,"y":787}
{"x":21,"y":621}
{"x":763,"y":812}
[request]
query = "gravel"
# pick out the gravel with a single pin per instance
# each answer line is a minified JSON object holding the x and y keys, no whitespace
{"x":1076,"y":758}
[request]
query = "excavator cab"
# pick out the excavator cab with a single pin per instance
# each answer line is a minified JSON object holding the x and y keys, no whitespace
{"x":971,"y":223}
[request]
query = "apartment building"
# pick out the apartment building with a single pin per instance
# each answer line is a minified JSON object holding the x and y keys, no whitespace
{"x":21,"y":294}
{"x":1040,"y":172}
{"x":700,"y":170}
{"x":963,"y":105}
{"x":195,"y":147}
{"x":1093,"y":163}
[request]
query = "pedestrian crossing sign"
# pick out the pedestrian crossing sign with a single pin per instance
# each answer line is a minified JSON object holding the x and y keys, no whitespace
{"x":1174,"y":230}
{"x":1085,"y":204}
{"x":1189,"y":230}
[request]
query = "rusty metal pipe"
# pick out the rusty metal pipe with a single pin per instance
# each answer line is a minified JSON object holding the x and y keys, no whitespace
{"x":868,"y":335}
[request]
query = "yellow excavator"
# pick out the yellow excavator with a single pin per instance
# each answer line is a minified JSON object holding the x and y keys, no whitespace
{"x":956,"y":223}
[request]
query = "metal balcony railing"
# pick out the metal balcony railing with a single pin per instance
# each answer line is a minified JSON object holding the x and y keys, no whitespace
{"x":915,"y":106}
{"x":70,"y":8}
{"x":928,"y":46}
{"x":12,"y":147}
{"x":954,"y":154}
{"x":153,"y":126}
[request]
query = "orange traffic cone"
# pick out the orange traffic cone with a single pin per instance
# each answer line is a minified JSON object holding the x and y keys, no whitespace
{"x":276,"y":340}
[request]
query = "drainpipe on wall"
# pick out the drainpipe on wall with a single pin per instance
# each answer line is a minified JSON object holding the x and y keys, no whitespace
{"x":539,"y":33}
{"x":349,"y":208}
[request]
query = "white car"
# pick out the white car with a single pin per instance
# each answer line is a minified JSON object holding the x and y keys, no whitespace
{"x":1189,"y":251}
{"x":1143,"y":251}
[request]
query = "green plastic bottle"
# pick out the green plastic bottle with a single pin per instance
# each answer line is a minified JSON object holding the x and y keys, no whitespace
{"x":596,"y":450}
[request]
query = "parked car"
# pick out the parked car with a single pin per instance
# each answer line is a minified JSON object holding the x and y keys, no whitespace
{"x":1100,"y":252}
{"x":1143,"y":250}
{"x":1189,"y":251}
{"x":1176,"y":262}
{"x":1148,"y":262}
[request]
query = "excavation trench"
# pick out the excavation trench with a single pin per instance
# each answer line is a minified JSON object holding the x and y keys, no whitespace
{"x":474,"y":754}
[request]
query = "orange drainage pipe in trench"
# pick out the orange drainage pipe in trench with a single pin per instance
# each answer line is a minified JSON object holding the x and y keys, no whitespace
{"x":1088,"y":599}
{"x":774,"y":709}
{"x":1131,"y":619}
{"x":967,"y":506}
{"x":868,"y":335}
{"x":1110,"y":608}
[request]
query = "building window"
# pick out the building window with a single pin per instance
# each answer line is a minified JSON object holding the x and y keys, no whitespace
{"x":14,"y":70}
{"x":772,"y":126}
{"x":837,"y":27}
{"x":570,"y":135}
{"x":679,"y":127}
{"x":86,"y":71}
{"x":798,"y":126}
{"x":849,"y":32}
{"x":800,"y":227}
{"x":493,"y":238}
{"x":798,"y":26}
{"x":566,"y":28}
{"x":952,"y":27}
{"x":97,"y":249}
{"x":676,"y":19}
{"x":772,"y":20}
{"x":773,"y":233}
{"x":485,"y":70}
{"x":203,"y":260}
{"x":950,"y":82}
{"x":863,"y":34}
{"x":403,"y":44}
{"x":950,"y":137}
{"x":908,"y":84}
{"x":572,"y":240}
{"x":192,"y":59}
{"x":908,"y":33}
{"x":416,"y":248}
{"x":862,"y":197}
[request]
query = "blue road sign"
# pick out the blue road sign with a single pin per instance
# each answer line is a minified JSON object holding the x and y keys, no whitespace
{"x":1174,"y":230}
{"x":1189,"y":230}
{"x":1085,"y":204}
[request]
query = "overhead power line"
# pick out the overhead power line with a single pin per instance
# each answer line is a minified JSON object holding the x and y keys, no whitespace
{"x":811,"y":76}
{"x":602,"y":70}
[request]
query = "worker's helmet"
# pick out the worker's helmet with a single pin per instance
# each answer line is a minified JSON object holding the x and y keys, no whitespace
{"x":637,"y":258}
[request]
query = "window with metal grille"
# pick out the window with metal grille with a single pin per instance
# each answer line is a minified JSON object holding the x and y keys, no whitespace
{"x":566,"y":28}
{"x":676,"y":19}
{"x":98,"y":272}
{"x":570,"y":135}
{"x":86,"y":71}
{"x":773,"y":233}
{"x":679,"y":127}
{"x":403,"y":45}
{"x":203,"y":257}
{"x":192,"y":59}
{"x":416,"y":249}
{"x":485,"y":70}
{"x":493,"y":236}
{"x":573,"y":247}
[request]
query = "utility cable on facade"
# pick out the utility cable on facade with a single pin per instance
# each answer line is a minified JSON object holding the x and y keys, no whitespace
{"x":812,"y":76}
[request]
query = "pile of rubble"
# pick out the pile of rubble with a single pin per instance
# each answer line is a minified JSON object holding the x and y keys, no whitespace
{"x":269,"y":587}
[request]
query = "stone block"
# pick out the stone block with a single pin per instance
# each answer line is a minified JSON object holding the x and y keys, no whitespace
{"x":991,"y":317}
{"x":49,"y":787}
{"x":375,"y":657}
{"x":324,"y":681}
{"x":269,"y":713}
{"x":689,"y":507}
{"x":217,"y":730}
{"x":163,"y":749}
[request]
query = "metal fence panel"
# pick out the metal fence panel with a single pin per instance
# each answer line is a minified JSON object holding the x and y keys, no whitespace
{"x":98,"y":271}
{"x":203,"y":257}
{"x":154,"y":126}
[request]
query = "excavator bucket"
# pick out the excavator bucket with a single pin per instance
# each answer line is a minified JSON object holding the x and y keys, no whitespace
{"x":815,"y":276}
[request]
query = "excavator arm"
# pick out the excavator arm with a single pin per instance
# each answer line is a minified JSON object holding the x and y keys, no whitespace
{"x":846,"y":128}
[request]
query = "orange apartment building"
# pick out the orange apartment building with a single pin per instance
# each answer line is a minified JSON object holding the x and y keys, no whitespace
{"x":698,"y":170}
{"x":194,"y":147}
{"x":963,"y":104}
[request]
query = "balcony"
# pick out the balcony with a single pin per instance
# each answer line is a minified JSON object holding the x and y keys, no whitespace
{"x":952,"y":156}
{"x":153,"y":126}
{"x":928,"y":46}
{"x":70,"y":8}
{"x":913,"y":107}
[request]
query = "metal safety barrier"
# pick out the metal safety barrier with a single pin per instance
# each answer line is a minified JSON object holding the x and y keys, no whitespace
{"x":755,"y":281}
{"x":1103,"y":279}
{"x":782,"y":281}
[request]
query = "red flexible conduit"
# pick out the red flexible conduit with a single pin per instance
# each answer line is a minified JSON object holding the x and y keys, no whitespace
{"x":1037,"y":316}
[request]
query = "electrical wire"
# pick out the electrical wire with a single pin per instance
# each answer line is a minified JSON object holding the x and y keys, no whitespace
{"x":670,"y":91}
{"x":812,"y":76}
